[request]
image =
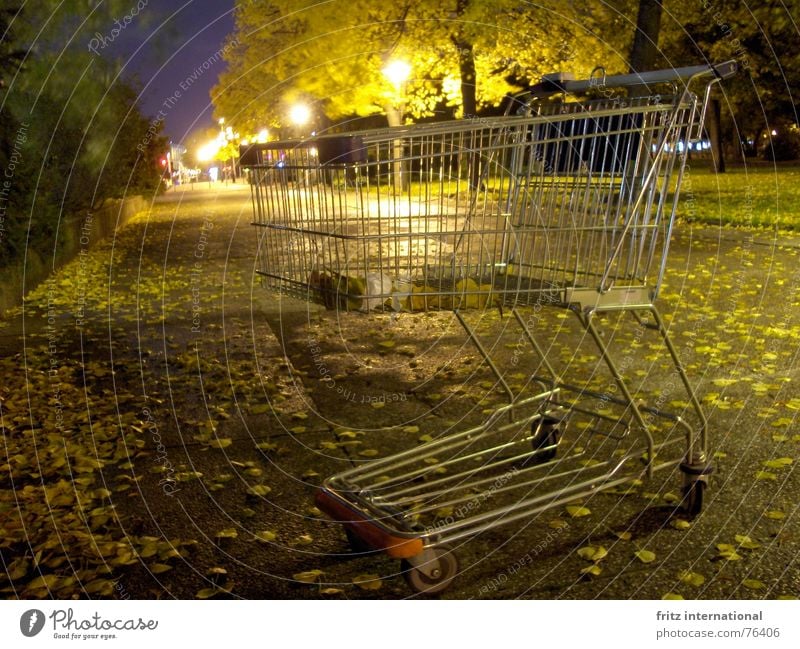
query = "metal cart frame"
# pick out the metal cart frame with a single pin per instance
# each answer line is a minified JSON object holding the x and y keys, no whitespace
{"x":568,"y":204}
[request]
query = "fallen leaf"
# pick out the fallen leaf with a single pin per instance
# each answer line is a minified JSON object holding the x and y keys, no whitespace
{"x":753,"y":584}
{"x":308,"y":577}
{"x":592,"y":552}
{"x":577,"y":511}
{"x":595,"y":570}
{"x":266,"y":536}
{"x":645,"y":556}
{"x":669,"y":596}
{"x":158,"y":568}
{"x":691,"y":578}
{"x":228,"y":533}
{"x":746,"y":542}
{"x":778,"y":463}
{"x":368,"y":582}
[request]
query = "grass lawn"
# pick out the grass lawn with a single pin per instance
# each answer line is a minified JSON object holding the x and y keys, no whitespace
{"x":755,"y":196}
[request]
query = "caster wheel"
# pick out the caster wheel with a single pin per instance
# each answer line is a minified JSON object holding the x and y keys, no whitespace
{"x":546,"y":433}
{"x":693,"y":492}
{"x":439,"y":579}
{"x":695,"y":480}
{"x":357,"y":544}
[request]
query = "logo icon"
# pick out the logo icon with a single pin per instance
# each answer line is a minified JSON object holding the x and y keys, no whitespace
{"x":31,"y":622}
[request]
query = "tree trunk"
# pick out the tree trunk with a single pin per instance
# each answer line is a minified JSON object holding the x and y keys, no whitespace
{"x":645,"y":42}
{"x":644,"y":51}
{"x":395,"y":118}
{"x":715,"y":136}
{"x":469,"y":101}
{"x":466,"y":68}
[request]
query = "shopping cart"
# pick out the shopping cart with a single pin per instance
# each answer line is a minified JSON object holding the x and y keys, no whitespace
{"x":569,"y":202}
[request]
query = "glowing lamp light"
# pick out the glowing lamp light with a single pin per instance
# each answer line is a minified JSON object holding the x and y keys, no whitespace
{"x":262,"y":136}
{"x":208,"y":151}
{"x":300,"y":114}
{"x":397,"y":72}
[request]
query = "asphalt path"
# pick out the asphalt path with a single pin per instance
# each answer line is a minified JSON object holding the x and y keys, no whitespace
{"x":215,"y":408}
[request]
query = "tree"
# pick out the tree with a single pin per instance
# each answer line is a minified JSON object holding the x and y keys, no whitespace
{"x":644,"y":52}
{"x":761,"y":37}
{"x":465,"y":55}
{"x":71,"y":135}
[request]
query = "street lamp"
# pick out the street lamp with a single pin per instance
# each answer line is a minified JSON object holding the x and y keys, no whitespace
{"x":397,"y":72}
{"x":299,"y":115}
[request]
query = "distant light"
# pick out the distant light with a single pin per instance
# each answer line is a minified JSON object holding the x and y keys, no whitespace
{"x":208,"y":151}
{"x":262,"y":136}
{"x":244,"y":142}
{"x":397,"y":72}
{"x":774,"y":132}
{"x":300,"y":114}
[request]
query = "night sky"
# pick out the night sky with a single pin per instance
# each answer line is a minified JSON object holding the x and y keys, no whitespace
{"x":166,"y":44}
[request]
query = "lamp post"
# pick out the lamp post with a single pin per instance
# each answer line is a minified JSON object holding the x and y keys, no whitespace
{"x":397,"y":73}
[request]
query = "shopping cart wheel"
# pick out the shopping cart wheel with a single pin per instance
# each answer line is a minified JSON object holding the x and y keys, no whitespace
{"x":695,"y":480}
{"x":693,"y":497}
{"x":435,"y":574}
{"x":545,"y":431}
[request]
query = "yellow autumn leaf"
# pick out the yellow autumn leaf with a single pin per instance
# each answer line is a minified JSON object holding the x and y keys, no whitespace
{"x":578,"y":511}
{"x":691,"y":578}
{"x":671,"y":596}
{"x":592,"y":552}
{"x":368,"y":582}
{"x":746,"y":542}
{"x":595,"y":570}
{"x":308,"y":576}
{"x":645,"y":556}
{"x":765,"y":475}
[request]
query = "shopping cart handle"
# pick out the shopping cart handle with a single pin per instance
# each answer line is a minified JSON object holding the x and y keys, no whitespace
{"x":558,"y":83}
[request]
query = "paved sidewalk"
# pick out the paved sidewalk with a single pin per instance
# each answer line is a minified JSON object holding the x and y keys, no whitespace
{"x":166,"y":421}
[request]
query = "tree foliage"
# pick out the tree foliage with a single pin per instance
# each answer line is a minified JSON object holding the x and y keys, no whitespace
{"x":69,"y":127}
{"x":761,"y":37}
{"x":332,"y":54}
